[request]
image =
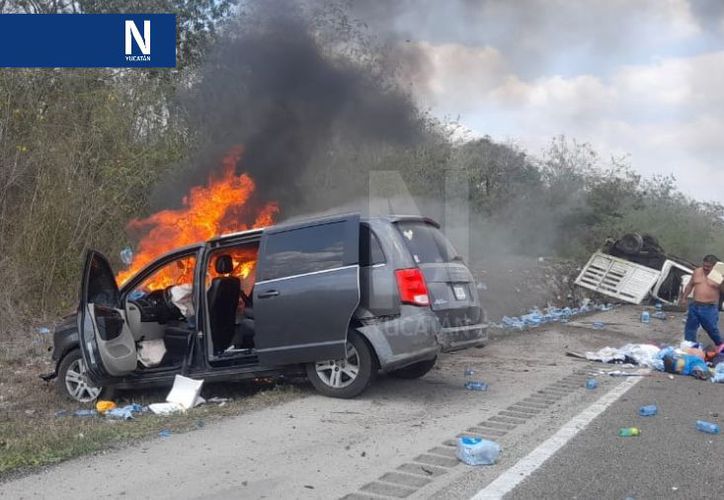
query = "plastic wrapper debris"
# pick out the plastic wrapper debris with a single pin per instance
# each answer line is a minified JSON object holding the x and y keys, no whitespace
{"x":606,"y":355}
{"x":125,"y":412}
{"x":718,"y":376}
{"x":477,"y":451}
{"x":638,"y":354}
{"x":85,"y":413}
{"x":165,"y":408}
{"x":686,"y":364}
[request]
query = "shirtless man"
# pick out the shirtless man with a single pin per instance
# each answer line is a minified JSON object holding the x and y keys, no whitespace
{"x":704,"y":309}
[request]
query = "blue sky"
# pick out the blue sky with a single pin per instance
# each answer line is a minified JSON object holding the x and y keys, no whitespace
{"x":643,"y":78}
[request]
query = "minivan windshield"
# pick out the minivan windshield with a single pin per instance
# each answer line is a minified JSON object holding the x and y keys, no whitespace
{"x":426,"y":243}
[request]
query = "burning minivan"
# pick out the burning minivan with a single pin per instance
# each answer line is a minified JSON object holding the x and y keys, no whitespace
{"x":337,"y":299}
{"x":635,"y":268}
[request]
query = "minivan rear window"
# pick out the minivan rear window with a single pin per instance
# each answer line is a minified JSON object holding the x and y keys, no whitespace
{"x":426,"y":243}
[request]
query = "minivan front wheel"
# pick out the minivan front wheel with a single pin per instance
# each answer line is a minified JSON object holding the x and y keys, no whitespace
{"x":348,"y":377}
{"x":73,"y":382}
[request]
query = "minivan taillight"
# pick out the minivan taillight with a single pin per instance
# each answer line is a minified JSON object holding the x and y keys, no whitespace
{"x":413,"y":289}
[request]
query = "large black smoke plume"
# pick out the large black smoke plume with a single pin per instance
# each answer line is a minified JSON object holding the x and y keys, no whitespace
{"x":294,"y":83}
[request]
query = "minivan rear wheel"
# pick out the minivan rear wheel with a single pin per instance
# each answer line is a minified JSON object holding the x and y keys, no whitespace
{"x":348,"y":377}
{"x":415,"y":370}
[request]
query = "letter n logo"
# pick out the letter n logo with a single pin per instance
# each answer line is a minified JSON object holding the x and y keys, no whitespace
{"x":143,"y":42}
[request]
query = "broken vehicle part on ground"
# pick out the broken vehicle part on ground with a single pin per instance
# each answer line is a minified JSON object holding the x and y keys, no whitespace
{"x":335,"y":298}
{"x":635,"y":268}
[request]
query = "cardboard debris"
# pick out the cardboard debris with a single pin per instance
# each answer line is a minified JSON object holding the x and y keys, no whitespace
{"x":185,"y":391}
{"x":717,"y":273}
{"x":185,"y":394}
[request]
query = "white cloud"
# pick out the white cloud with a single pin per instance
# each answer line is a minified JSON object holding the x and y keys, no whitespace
{"x":666,"y":114}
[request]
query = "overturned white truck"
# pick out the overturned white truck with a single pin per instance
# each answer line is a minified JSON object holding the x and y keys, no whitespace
{"x":635,"y":269}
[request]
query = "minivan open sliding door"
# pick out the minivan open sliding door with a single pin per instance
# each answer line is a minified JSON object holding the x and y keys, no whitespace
{"x":306,"y":291}
{"x":106,"y":342}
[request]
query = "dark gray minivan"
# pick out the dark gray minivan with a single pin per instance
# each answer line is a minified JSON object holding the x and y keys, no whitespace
{"x":336,"y":298}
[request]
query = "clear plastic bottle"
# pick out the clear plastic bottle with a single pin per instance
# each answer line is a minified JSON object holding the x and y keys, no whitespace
{"x":477,"y":451}
{"x":648,"y":411}
{"x":127,"y":256}
{"x":472,"y":385}
{"x":629,"y":432}
{"x":707,"y":427}
{"x":591,"y":383}
{"x":645,"y":317}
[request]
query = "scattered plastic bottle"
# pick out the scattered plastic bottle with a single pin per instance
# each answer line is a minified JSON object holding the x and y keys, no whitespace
{"x":659,"y":306}
{"x":85,"y":413}
{"x":629,"y":432}
{"x":127,"y":256}
{"x":164,"y":433}
{"x":645,"y":317}
{"x":648,"y":411}
{"x":469,"y":372}
{"x":472,"y":385}
{"x":591,"y":384}
{"x":707,"y":427}
{"x":477,"y":451}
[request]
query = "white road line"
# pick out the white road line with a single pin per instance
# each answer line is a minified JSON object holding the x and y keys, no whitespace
{"x":528,"y":464}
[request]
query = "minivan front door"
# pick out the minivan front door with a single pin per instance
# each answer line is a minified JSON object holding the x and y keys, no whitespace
{"x":106,"y":342}
{"x":307,"y":290}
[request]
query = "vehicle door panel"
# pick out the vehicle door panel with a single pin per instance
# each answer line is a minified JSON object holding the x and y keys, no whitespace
{"x":106,"y":342}
{"x":308,"y":291}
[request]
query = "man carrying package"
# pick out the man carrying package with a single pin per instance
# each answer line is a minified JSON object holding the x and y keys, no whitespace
{"x":707,"y":283}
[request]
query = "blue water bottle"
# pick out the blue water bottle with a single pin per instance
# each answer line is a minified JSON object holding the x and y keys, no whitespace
{"x":648,"y":411}
{"x":476,"y":386}
{"x":591,"y":383}
{"x":645,"y":317}
{"x":707,"y":427}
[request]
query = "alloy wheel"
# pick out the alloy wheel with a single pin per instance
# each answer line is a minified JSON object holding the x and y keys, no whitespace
{"x":77,"y":383}
{"x":342,"y":372}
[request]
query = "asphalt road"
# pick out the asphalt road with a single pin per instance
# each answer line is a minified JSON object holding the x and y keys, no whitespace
{"x":395,"y":441}
{"x":670,"y":459}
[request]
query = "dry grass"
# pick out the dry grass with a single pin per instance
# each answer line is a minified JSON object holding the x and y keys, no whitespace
{"x":37,"y":426}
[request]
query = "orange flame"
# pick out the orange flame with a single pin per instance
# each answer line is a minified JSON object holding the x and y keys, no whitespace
{"x":208,"y":211}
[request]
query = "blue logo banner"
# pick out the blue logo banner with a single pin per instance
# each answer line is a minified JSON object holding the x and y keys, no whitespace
{"x":88,"y":40}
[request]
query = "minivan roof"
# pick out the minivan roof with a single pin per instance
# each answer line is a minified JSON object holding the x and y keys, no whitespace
{"x":249,"y":232}
{"x":389,"y":218}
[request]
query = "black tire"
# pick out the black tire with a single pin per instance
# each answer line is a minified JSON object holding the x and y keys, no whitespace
{"x":415,"y":370}
{"x":630,"y":243}
{"x":349,"y":387}
{"x":72,"y":360}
